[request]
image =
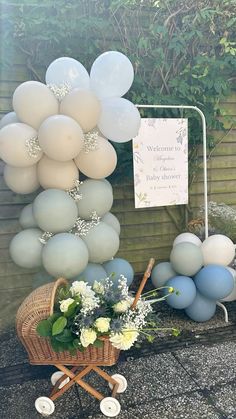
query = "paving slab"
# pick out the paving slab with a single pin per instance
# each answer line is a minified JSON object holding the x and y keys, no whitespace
{"x":224,"y":398}
{"x":210,"y":365}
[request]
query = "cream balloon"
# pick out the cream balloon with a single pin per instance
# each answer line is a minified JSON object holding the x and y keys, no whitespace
{"x":60,"y":137}
{"x":218,"y":249}
{"x":59,"y":175}
{"x":9,"y":118}
{"x":33,"y":102}
{"x":98,"y":163}
{"x":83,"y":106}
{"x":13,"y":145}
{"x":22,"y":180}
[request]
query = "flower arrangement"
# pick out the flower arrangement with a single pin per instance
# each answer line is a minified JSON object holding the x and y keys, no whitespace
{"x":84,"y":314}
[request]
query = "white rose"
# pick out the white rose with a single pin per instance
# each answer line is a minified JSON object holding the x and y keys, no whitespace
{"x":98,"y":287}
{"x":87,"y":337}
{"x":102,"y":324}
{"x":64,"y":304}
{"x":121,"y":307}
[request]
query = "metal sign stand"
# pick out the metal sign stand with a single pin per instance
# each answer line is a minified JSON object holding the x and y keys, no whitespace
{"x":204,"y":143}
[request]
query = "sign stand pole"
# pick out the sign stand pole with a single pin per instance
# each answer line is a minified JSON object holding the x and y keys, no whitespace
{"x":204,"y":143}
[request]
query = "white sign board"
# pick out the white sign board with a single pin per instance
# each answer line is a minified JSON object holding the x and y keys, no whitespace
{"x":160,"y":157}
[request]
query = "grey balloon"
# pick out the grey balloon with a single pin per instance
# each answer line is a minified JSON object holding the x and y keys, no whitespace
{"x":65,"y":255}
{"x":26,"y":248}
{"x":161,"y":273}
{"x":186,"y":258}
{"x":96,"y":196}
{"x":27,"y":219}
{"x":102,"y":242}
{"x":55,"y":211}
{"x":112,"y":221}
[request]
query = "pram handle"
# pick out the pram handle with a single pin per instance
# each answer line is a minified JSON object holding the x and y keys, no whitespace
{"x":146,"y":275}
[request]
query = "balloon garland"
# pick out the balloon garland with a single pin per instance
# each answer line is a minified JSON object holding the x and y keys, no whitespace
{"x":199,"y":275}
{"x":57,"y":131}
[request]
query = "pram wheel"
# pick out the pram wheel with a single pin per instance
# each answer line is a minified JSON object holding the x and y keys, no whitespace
{"x":121,"y":380}
{"x":110,"y":407}
{"x":44,"y":406}
{"x":56,"y":376}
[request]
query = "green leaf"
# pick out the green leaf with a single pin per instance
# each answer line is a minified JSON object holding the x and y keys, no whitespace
{"x":56,"y":346}
{"x":54,"y":317}
{"x":98,"y":343}
{"x":71,"y":310}
{"x":44,"y":328}
{"x":65,"y":336}
{"x":59,"y":325}
{"x":175,"y":332}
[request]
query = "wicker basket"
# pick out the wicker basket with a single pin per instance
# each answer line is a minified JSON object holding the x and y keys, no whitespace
{"x":38,"y":306}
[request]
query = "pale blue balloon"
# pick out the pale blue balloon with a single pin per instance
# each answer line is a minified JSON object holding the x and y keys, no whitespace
{"x":214,"y":282}
{"x":161,"y":273}
{"x":118,"y":266}
{"x":93,"y":272}
{"x":27,"y":219}
{"x":102,"y":242}
{"x":186,"y":292}
{"x":67,"y":70}
{"x":202,"y":309}
{"x":26,"y":249}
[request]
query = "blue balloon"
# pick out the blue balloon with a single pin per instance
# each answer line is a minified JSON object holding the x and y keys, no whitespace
{"x":202,"y":309}
{"x":119,"y":267}
{"x":93,"y":272}
{"x":214,"y":282}
{"x":186,"y":292}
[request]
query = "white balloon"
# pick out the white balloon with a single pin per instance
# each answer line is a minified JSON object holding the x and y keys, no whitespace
{"x":218,"y":249}
{"x":119,"y":120}
{"x":187,"y":237}
{"x":112,"y":74}
{"x":67,"y":70}
{"x":232,"y":295}
{"x":9,"y":118}
{"x":22,"y":180}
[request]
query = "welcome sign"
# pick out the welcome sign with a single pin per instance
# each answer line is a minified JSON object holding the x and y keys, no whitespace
{"x":160,"y":158}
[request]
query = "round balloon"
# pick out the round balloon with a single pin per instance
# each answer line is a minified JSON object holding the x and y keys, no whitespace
{"x":93,"y":272}
{"x":65,"y":255}
{"x":98,"y":163}
{"x":120,"y":120}
{"x":55,"y":211}
{"x":102,"y":243}
{"x":214,"y":282}
{"x":9,"y":118}
{"x":187,"y":237}
{"x":27,"y":219}
{"x":112,"y":221}
{"x":60,"y":137}
{"x":232,"y":295}
{"x":117,"y":267}
{"x":185,"y":289}
{"x":26,"y":248}
{"x":33,"y":102}
{"x":59,"y":175}
{"x":15,"y":145}
{"x":111,"y":74}
{"x":218,"y":249}
{"x":83,"y":106}
{"x":67,"y":70}
{"x":161,"y":273}
{"x":202,"y":309}
{"x":96,"y":196}
{"x":186,"y":258}
{"x":22,"y":180}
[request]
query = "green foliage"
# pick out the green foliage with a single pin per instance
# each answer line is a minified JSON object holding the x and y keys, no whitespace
{"x":59,"y":325}
{"x":183,"y":51}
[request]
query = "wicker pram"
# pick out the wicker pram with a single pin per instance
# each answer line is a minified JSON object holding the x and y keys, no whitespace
{"x":38,"y":306}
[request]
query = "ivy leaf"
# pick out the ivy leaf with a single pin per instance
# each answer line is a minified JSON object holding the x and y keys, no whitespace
{"x":44,"y":328}
{"x":59,"y":325}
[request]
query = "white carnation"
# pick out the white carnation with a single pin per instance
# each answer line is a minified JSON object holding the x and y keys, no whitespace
{"x":64,"y":304}
{"x":87,"y":337}
{"x":121,"y":307}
